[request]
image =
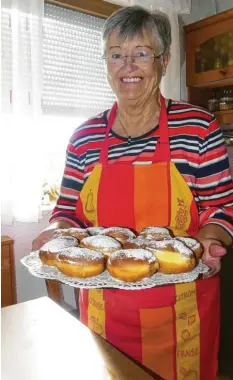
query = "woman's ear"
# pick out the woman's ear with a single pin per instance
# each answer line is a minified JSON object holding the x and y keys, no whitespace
{"x":166,"y":59}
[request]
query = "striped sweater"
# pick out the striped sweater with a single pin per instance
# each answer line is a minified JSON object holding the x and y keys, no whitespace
{"x":197,"y":149}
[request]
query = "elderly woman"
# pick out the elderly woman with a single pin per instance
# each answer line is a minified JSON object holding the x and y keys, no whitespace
{"x":150,"y":161}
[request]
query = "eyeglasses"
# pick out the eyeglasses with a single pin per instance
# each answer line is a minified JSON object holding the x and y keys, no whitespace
{"x":120,"y":59}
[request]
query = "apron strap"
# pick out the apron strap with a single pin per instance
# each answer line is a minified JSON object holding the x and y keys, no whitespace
{"x":104,"y":151}
{"x":162,"y":151}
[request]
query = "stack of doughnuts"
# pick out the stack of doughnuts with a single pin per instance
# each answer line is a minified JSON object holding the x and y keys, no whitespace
{"x":126,"y":255}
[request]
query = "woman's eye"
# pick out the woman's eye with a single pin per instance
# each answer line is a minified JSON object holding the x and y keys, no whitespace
{"x":116,"y":55}
{"x":142,"y":54}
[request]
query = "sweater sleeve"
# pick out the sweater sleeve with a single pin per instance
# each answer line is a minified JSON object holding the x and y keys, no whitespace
{"x":214,"y":186}
{"x":71,"y":185}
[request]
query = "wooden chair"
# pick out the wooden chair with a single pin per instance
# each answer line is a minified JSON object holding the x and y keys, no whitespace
{"x":55,"y":292}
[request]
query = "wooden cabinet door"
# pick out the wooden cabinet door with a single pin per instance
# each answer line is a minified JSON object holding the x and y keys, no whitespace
{"x":6,"y":278}
{"x":8,"y":287}
{"x":209,"y":52}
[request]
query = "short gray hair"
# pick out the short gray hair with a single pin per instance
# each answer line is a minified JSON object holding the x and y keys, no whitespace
{"x":132,"y":21}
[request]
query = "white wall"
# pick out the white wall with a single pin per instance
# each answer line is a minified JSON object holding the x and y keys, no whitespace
{"x":28,"y":286}
{"x":204,"y":8}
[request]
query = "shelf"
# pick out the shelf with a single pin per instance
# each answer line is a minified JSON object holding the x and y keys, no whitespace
{"x":220,"y":113}
{"x":214,"y":84}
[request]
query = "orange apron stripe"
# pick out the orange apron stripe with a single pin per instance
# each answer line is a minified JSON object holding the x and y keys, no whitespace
{"x":158,"y":341}
{"x":187,"y":332}
{"x":151,"y":195}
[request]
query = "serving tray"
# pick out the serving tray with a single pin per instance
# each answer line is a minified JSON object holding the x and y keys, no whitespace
{"x":105,"y":280}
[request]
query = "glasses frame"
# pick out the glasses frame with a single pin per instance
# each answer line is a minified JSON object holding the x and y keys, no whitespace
{"x":123,"y":59}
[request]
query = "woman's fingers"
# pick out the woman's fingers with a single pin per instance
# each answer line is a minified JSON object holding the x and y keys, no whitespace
{"x":217,"y":250}
{"x":212,"y":256}
{"x":42,"y":239}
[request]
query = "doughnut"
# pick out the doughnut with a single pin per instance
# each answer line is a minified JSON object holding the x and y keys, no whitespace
{"x":49,"y":250}
{"x":78,"y":233}
{"x":131,"y":265}
{"x":156,"y":233}
{"x":193,"y":244}
{"x":119,"y":233}
{"x":80,"y":262}
{"x":173,"y":255}
{"x":95,"y":230}
{"x":104,"y":244}
{"x":138,"y":242}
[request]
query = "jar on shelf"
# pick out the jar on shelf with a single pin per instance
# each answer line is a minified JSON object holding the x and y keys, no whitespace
{"x":213,"y":103}
{"x":226,"y":102}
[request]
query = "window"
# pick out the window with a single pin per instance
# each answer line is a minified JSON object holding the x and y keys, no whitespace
{"x":74,"y":76}
{"x":74,"y":84}
{"x":40,"y":111}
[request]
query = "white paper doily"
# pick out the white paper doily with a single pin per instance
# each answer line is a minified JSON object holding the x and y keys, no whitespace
{"x":105,"y":280}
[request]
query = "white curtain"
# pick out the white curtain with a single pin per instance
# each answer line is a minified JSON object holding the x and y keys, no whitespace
{"x":22,"y":71}
{"x":170,"y":85}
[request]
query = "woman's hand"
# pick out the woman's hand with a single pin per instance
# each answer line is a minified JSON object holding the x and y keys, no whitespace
{"x":42,"y":238}
{"x":213,"y":252}
{"x":47,"y":234}
{"x":215,"y":240}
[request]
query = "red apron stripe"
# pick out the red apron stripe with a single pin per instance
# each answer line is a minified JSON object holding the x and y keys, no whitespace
{"x":110,"y":212}
{"x":208,"y":294}
{"x":121,"y":325}
{"x":83,"y":300}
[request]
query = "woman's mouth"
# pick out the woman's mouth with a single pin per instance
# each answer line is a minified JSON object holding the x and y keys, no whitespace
{"x":131,"y":79}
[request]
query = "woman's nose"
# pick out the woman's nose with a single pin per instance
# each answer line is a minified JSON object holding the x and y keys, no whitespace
{"x":129,"y":59}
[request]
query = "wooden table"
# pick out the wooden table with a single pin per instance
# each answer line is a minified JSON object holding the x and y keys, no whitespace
{"x":41,"y":341}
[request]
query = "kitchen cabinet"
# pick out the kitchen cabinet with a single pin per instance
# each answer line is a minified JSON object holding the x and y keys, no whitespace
{"x":209,"y":61}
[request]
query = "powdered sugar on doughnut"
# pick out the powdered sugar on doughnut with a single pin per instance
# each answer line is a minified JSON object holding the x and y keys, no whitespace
{"x":102,"y":241}
{"x":62,"y":242}
{"x":95,"y":230}
{"x":176,"y":245}
{"x":139,"y":241}
{"x":190,"y":242}
{"x":122,"y":230}
{"x":82,"y":253}
{"x":151,"y":232}
{"x":137,"y":254}
{"x":79,"y":230}
{"x":156,"y":230}
{"x":70,"y":230}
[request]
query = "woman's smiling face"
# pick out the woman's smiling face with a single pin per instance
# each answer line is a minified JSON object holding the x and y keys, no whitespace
{"x":130,"y":79}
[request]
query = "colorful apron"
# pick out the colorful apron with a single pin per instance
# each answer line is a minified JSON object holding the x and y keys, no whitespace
{"x":173,"y":330}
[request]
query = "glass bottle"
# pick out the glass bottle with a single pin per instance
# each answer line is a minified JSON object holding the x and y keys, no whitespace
{"x":213,"y":103}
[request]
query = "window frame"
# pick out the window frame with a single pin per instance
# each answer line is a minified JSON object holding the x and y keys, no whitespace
{"x":93,"y":7}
